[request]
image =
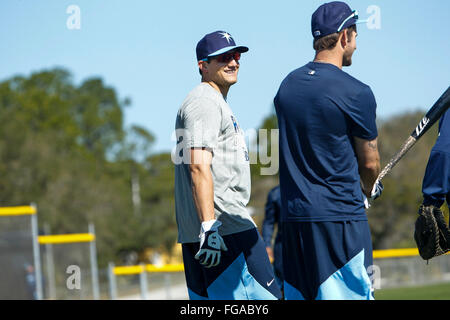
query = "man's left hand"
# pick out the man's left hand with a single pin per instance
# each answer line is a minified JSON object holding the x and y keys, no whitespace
{"x":211,"y":244}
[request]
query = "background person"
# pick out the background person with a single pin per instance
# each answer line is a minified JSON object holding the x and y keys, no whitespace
{"x":436,"y":190}
{"x":272,"y":218}
{"x":436,"y":181}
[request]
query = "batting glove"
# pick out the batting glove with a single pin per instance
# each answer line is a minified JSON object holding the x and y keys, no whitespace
{"x":375,"y":194}
{"x":377,"y":190}
{"x":211,"y":244}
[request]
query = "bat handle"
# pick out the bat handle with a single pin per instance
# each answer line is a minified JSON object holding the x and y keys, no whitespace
{"x":403,"y":150}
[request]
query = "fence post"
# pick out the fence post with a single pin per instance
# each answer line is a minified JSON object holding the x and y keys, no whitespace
{"x":50,"y":266}
{"x":36,"y":254}
{"x":167,"y":285}
{"x":112,"y":282}
{"x":94,"y":266}
{"x":143,"y":278}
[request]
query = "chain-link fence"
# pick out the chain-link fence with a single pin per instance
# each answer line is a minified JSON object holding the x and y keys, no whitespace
{"x":65,"y":267}
{"x":70,"y":269}
{"x":16,"y":258}
{"x":62,"y":264}
{"x":19,"y":254}
{"x":395,"y":269}
{"x":147,"y":282}
{"x":412,"y":271}
{"x":47,"y":266}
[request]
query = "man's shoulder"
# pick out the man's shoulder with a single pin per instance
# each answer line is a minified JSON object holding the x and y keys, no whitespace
{"x":200,"y":97}
{"x":346,"y":85}
{"x":296,"y":72}
{"x":200,"y":92}
{"x":334,"y":74}
{"x":355,"y":84}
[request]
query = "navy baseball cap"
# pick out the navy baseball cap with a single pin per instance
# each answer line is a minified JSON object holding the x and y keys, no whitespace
{"x":216,"y":43}
{"x":332,"y":17}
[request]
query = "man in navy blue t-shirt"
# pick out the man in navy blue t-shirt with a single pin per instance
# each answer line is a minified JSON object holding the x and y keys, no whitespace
{"x":436,"y":182}
{"x":329,"y":162}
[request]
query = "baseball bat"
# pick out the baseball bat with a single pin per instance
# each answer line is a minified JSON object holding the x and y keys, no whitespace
{"x":433,"y":115}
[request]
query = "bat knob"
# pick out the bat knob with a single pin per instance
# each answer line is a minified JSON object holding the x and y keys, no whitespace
{"x":367,"y":204}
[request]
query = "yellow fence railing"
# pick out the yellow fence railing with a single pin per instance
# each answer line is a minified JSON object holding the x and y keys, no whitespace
{"x":130,"y":270}
{"x":17,"y":211}
{"x":396,"y":253}
{"x":66,"y":238}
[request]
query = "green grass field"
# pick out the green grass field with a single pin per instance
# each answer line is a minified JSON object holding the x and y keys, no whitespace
{"x":432,"y":292}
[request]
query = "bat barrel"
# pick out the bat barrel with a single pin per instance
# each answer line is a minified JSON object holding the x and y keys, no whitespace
{"x":438,"y":109}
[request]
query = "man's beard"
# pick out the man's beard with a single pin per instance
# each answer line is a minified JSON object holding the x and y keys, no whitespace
{"x":347,"y":60}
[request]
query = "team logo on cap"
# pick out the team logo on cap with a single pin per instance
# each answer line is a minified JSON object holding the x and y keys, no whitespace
{"x":226,"y":35}
{"x":317,"y":33}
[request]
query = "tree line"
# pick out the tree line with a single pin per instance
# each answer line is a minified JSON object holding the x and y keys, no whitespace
{"x":65,"y":147}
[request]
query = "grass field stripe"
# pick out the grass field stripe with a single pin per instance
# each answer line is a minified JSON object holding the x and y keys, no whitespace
{"x":17,"y":211}
{"x":66,"y":238}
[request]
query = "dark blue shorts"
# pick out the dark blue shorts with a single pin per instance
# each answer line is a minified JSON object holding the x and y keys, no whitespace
{"x":327,"y":260}
{"x":244,"y":272}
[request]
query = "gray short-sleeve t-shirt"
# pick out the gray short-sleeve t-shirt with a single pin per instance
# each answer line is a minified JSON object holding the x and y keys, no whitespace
{"x":205,"y":120}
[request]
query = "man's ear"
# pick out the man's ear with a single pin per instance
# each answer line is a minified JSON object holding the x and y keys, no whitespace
{"x":203,"y":66}
{"x":344,"y":39}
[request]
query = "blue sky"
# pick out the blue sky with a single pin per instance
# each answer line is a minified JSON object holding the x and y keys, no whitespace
{"x":145,"y":49}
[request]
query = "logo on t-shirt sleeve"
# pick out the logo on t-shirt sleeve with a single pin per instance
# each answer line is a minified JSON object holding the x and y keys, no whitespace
{"x":239,"y":139}
{"x":235,"y":124}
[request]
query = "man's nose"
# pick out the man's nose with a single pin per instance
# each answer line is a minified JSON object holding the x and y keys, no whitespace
{"x":233,"y":63}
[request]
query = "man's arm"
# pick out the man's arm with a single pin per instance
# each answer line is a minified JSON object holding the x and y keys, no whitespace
{"x":368,"y":163}
{"x":202,"y":183}
{"x":211,"y":243}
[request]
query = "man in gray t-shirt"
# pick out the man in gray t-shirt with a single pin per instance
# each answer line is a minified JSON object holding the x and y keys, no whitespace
{"x":223,"y":254}
{"x":205,"y":121}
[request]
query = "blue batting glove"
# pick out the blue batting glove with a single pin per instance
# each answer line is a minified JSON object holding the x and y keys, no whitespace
{"x":211,"y":244}
{"x":377,"y":190}
{"x":375,"y":194}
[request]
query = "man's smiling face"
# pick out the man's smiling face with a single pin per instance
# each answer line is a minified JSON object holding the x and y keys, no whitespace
{"x":223,"y":69}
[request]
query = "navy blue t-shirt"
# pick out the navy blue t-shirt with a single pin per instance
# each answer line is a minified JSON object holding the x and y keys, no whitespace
{"x":436,"y":182}
{"x":272,"y":217}
{"x":320,"y":110}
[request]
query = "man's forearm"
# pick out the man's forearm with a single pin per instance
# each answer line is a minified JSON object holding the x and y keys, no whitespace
{"x":368,"y":163}
{"x":203,"y":192}
{"x":369,"y":175}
